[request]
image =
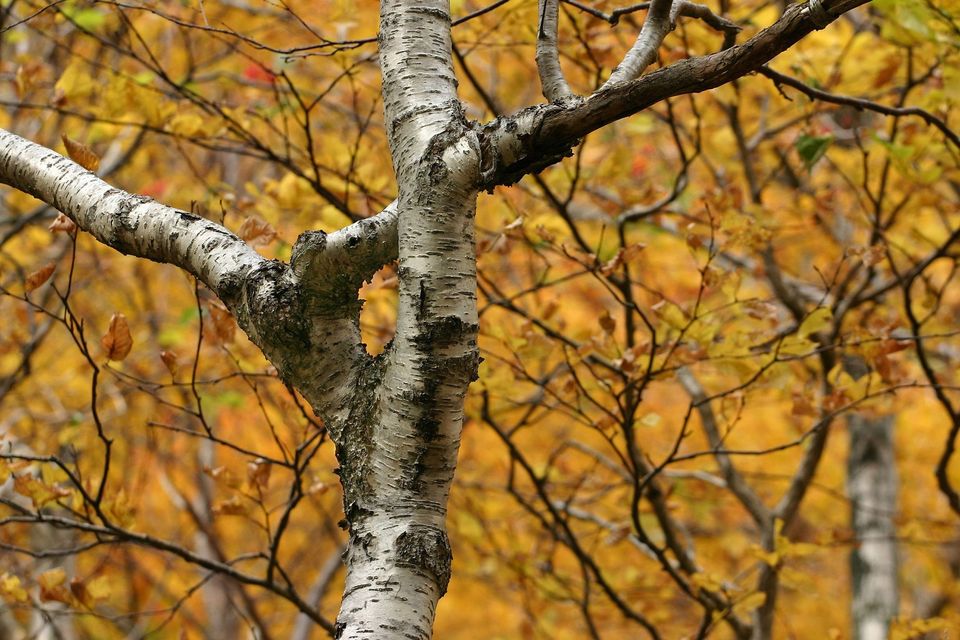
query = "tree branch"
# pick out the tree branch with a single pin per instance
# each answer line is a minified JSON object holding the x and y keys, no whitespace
{"x":860,"y":103}
{"x":539,"y":136}
{"x":643,"y":53}
{"x":738,"y":486}
{"x":131,"y":224}
{"x":554,"y":85}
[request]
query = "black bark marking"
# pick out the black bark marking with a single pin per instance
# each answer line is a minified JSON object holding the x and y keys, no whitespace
{"x":127,"y":204}
{"x":354,"y":442}
{"x":426,"y":549}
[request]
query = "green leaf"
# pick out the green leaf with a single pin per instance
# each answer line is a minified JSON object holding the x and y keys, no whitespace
{"x":812,"y":148}
{"x":86,"y":19}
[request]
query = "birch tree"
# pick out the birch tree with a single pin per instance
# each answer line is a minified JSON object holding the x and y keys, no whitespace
{"x":396,"y":418}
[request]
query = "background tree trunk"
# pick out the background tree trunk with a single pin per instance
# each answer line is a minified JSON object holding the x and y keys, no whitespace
{"x":872,"y":488}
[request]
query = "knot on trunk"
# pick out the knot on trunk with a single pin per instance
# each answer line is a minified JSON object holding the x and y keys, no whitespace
{"x":426,"y":548}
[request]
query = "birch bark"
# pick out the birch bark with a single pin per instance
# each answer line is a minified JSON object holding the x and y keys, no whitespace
{"x":872,"y":488}
{"x":399,"y":556}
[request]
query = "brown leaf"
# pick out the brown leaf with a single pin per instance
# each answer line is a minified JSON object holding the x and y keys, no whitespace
{"x":62,"y":223}
{"x":117,"y":342}
{"x":81,"y":154}
{"x":232,"y":507}
{"x":223,"y":323}
{"x":257,"y":232}
{"x":258,"y":473}
{"x":170,"y":361}
{"x":803,"y":405}
{"x":38,"y":277}
{"x":607,"y":323}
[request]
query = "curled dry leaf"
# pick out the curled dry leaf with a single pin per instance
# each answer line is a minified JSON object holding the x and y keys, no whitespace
{"x":62,"y":223}
{"x":81,"y":154}
{"x":170,"y":361}
{"x":257,"y":232}
{"x":117,"y":342}
{"x":38,"y":277}
{"x":258,"y":473}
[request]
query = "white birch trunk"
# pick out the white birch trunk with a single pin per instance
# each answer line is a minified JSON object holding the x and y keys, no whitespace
{"x":872,"y":489}
{"x":398,"y":559}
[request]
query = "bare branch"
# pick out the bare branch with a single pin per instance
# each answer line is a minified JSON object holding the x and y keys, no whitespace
{"x":554,"y":85}
{"x":744,"y":493}
{"x":535,"y":138}
{"x":644,"y":51}
{"x":861,"y":103}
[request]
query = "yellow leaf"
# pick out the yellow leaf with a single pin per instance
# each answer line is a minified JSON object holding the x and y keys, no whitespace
{"x":117,"y":342}
{"x":89,"y":592}
{"x":708,"y":581}
{"x":819,"y":320}
{"x":903,"y":629}
{"x":650,"y":420}
{"x":74,"y":83}
{"x":39,"y":492}
{"x":188,"y":125}
{"x":291,"y":191}
{"x":81,"y":154}
{"x":120,"y":509}
{"x":11,"y":589}
{"x":749,"y":603}
{"x":99,"y":588}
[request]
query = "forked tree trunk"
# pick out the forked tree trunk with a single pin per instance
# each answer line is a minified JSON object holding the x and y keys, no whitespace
{"x":872,"y":489}
{"x":396,"y":488}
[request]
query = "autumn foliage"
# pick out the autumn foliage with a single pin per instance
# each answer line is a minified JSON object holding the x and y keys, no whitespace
{"x":676,"y":324}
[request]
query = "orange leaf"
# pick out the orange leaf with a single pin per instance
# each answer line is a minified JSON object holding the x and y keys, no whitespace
{"x":81,"y":154}
{"x":53,"y":586}
{"x":38,"y":277}
{"x":62,"y":223}
{"x":257,"y":232}
{"x":117,"y":342}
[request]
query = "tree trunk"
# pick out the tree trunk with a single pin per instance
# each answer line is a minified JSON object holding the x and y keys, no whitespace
{"x":396,"y":489}
{"x":872,"y":488}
